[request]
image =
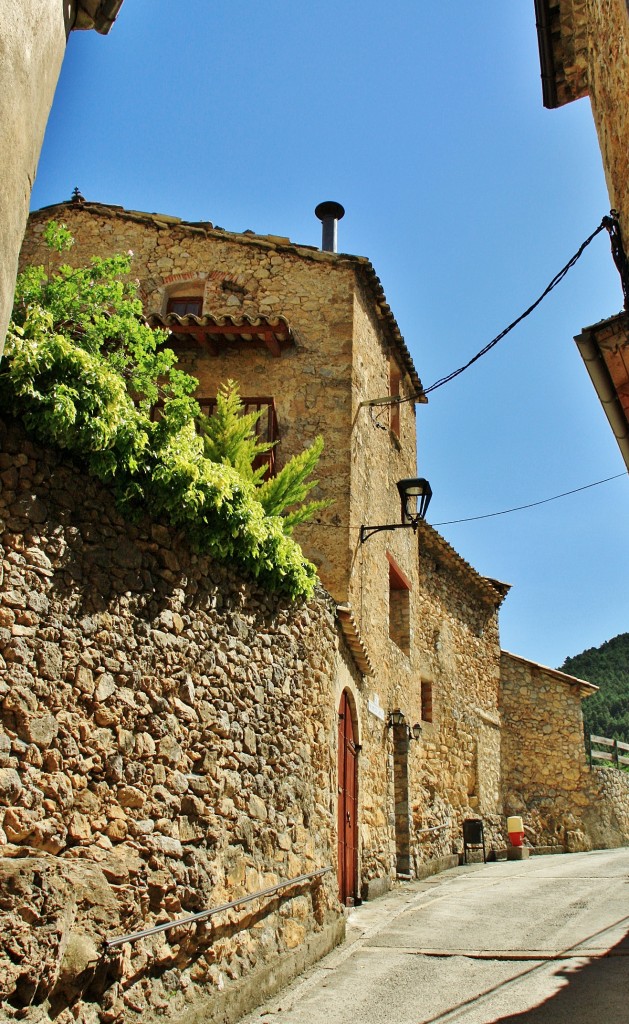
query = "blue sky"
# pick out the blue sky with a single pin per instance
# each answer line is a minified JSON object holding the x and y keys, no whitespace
{"x":426,"y":122}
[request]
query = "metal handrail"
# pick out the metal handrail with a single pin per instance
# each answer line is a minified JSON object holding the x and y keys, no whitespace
{"x":433,"y":828}
{"x":165,"y":925}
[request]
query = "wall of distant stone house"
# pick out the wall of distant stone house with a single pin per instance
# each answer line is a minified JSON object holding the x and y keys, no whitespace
{"x":608,"y":87}
{"x":455,"y":768}
{"x":545,"y":775}
{"x":167,"y":743}
{"x":33,"y":34}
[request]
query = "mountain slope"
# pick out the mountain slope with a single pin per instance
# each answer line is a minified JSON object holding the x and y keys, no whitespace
{"x":607,"y":712}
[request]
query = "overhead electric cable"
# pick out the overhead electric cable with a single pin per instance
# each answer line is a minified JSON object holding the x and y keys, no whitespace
{"x":532,"y":504}
{"x":488,"y":515}
{"x":605,"y":223}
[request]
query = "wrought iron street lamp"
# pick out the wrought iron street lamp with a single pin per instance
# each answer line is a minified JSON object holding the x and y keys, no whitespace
{"x":415,"y":495}
{"x":397,"y":718}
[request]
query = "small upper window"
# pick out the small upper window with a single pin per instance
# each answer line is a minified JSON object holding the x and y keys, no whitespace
{"x":426,"y":699}
{"x":399,"y":607}
{"x":183,"y":305}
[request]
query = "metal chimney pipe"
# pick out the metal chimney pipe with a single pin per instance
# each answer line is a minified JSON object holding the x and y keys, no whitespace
{"x":329,"y":213}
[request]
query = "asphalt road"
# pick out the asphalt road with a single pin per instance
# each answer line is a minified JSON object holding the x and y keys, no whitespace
{"x":543,"y":941}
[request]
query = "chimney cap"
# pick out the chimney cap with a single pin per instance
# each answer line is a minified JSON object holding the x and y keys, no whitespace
{"x":329,"y":209}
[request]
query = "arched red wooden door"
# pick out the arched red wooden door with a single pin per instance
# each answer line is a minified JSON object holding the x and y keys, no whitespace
{"x":347,"y":804}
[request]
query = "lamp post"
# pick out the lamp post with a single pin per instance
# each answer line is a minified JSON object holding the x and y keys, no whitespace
{"x":415,"y":494}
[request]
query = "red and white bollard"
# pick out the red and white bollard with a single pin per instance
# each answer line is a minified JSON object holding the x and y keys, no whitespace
{"x":515,"y":828}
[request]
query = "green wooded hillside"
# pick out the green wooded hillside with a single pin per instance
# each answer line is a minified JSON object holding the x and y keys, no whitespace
{"x":606,"y":713}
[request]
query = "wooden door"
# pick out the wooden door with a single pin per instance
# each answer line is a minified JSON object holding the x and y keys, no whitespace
{"x":347,"y":804}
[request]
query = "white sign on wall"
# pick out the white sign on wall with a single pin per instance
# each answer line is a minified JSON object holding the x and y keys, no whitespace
{"x":375,"y":708}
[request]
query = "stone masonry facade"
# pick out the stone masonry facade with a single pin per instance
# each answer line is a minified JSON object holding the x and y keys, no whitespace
{"x":565,"y":803}
{"x":589,"y":55}
{"x":171,"y":733}
{"x":166,"y":745}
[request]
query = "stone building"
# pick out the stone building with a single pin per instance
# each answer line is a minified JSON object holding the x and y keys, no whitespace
{"x":310,"y":339}
{"x":584,"y":51}
{"x":216,"y":739}
{"x":543,"y":708}
{"x":34,"y":35}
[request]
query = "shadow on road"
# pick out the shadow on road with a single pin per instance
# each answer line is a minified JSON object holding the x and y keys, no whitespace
{"x":597,"y":989}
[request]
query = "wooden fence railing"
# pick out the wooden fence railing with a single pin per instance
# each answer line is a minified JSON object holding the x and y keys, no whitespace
{"x":604,"y":749}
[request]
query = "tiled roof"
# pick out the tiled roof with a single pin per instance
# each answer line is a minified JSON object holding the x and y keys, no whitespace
{"x":353,"y":638}
{"x":585,"y":687}
{"x":280,"y":243}
{"x":604,"y":348}
{"x":492,"y":590}
{"x":216,"y":332}
{"x":98,"y":14}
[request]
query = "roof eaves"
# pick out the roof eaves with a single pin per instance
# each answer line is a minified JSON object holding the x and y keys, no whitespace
{"x":491,"y":590}
{"x":546,"y":54}
{"x":354,"y":640}
{"x":591,"y":352}
{"x":97,"y":14}
{"x":390,"y":324}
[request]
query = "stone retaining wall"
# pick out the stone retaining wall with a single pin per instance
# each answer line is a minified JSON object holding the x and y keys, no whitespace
{"x":606,"y":819}
{"x":166,"y":745}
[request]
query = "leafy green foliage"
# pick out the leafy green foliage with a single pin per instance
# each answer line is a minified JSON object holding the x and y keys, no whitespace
{"x":83,"y":370}
{"x":229,"y":437}
{"x":229,"y":434}
{"x":291,"y":486}
{"x":605,"y":713}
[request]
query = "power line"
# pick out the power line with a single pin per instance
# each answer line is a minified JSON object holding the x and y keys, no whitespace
{"x":488,"y":515}
{"x":532,"y":504}
{"x":605,"y":224}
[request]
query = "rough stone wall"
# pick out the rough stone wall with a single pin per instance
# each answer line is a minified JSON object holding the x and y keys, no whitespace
{"x":564,"y":802}
{"x":606,"y":819}
{"x":166,"y":745}
{"x":590,"y":41}
{"x":33,"y":34}
{"x":608,"y":87}
{"x":455,"y":767}
{"x":545,"y":775}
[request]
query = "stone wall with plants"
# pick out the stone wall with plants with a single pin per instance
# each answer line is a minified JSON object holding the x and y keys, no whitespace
{"x":166,"y":745}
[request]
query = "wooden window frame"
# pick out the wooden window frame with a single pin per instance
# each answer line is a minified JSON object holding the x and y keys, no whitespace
{"x":395,"y":381}
{"x":426,"y":695}
{"x":197,"y":300}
